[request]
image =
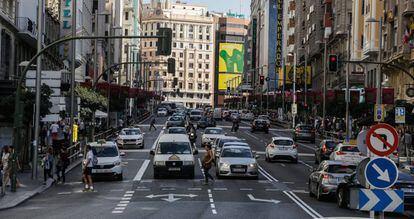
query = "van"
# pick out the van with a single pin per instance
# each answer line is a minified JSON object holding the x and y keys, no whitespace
{"x":217,"y":114}
{"x":173,"y":156}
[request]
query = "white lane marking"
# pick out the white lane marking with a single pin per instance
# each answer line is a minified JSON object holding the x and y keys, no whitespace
{"x":305,"y":164}
{"x":120,"y":208}
{"x":247,"y":133}
{"x":267,"y":175}
{"x":129,"y":192}
{"x":64,"y":193}
{"x":168,"y":189}
{"x":199,"y":163}
{"x":156,"y":141}
{"x":128,"y":195}
{"x":212,"y":205}
{"x":116,"y":190}
{"x":122,"y":205}
{"x":272,"y":190}
{"x":306,"y":205}
{"x":142,"y":189}
{"x":300,"y":191}
{"x":141,"y":170}
{"x":124,"y":202}
{"x":126,"y":198}
{"x":220,"y":189}
{"x":117,"y":212}
{"x":194,"y":189}
{"x":299,"y":204}
{"x":246,"y":189}
{"x":283,"y":165}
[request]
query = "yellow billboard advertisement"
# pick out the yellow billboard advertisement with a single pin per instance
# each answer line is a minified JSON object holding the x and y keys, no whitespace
{"x":300,"y":76}
{"x":229,"y":80}
{"x":231,"y":58}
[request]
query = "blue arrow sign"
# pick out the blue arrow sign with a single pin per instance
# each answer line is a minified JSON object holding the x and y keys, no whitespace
{"x":381,"y":200}
{"x":381,"y":173}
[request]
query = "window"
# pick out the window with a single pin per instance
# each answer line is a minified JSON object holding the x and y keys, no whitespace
{"x":165,"y":84}
{"x":173,"y":54}
{"x":181,"y":35}
{"x":208,"y":37}
{"x":190,"y":75}
{"x":191,"y":55}
{"x":190,"y":95}
{"x":200,"y":37}
{"x":200,"y":65}
{"x":158,"y":26}
{"x":191,"y":28}
{"x":200,"y":56}
{"x":150,"y":44}
{"x":199,"y":76}
{"x":145,"y":44}
{"x":175,"y":45}
{"x":206,"y":87}
{"x":200,"y":86}
{"x":150,"y":54}
{"x":174,"y":35}
{"x":207,"y":56}
{"x":181,"y":27}
{"x":106,"y":19}
{"x":207,"y":47}
{"x":190,"y":86}
{"x":200,"y":46}
{"x":181,"y":45}
{"x":207,"y":29}
{"x":191,"y":65}
{"x":180,"y":85}
{"x":164,"y":74}
{"x":181,"y":55}
{"x":191,"y":45}
{"x":200,"y":29}
{"x":181,"y":74}
{"x":174,"y":26}
{"x":126,"y":32}
{"x":150,"y":73}
{"x":206,"y":76}
{"x":126,"y":15}
{"x":207,"y":66}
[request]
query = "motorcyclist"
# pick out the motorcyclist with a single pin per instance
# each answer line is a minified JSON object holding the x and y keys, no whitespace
{"x":235,"y":125}
{"x":192,"y":134}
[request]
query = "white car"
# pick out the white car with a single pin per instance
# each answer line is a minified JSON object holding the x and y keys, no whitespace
{"x":264,"y":117}
{"x":130,"y":138}
{"x":281,"y":148}
{"x":196,"y":115}
{"x":247,"y":116}
{"x":173,"y":155}
{"x":237,"y":161}
{"x":210,"y":134}
{"x":109,"y":159}
{"x":346,"y":152}
{"x":162,"y":112}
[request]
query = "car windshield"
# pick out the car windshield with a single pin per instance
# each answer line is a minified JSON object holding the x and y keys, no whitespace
{"x":330,"y":144}
{"x":175,"y":118}
{"x":162,"y":109}
{"x":349,"y":149}
{"x":236,"y":152}
{"x":174,"y":148}
{"x":347,"y":169}
{"x":228,"y":140}
{"x":105,"y":151}
{"x":214,"y":131}
{"x":305,"y":127}
{"x":195,"y":113}
{"x":263,"y":117}
{"x":131,"y":132}
{"x":176,"y":131}
{"x":283,"y":142}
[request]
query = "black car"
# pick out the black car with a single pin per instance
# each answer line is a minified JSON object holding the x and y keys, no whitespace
{"x":324,"y":150}
{"x":175,"y":121}
{"x":260,"y":125}
{"x":206,"y":122}
{"x":304,"y":132}
{"x":405,"y":182}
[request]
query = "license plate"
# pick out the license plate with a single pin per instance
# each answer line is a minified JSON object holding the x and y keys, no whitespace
{"x":282,"y":148}
{"x":101,"y":171}
{"x":408,"y":190}
{"x":174,"y":169}
{"x":239,"y":170}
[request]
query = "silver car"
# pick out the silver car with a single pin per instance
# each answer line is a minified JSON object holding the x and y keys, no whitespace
{"x":210,"y":134}
{"x":237,"y":161}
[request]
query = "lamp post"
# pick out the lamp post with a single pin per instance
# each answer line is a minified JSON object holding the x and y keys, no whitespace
{"x":294,"y":87}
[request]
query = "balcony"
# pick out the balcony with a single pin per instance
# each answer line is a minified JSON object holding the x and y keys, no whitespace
{"x":408,"y":8}
{"x":27,"y":30}
{"x":370,"y":48}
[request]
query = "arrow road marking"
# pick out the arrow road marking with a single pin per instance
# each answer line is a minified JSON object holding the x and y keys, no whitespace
{"x":395,"y":203}
{"x":373,"y":200}
{"x":262,"y":200}
{"x":383,"y":175}
{"x":171,"y":197}
{"x":382,"y":139}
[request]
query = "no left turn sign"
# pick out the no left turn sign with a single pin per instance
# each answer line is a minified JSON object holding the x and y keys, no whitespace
{"x":382,"y":139}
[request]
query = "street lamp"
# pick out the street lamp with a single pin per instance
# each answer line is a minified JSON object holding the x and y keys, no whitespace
{"x":294,"y":88}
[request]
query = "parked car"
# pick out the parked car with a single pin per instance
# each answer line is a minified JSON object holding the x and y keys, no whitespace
{"x":210,"y":134}
{"x":130,"y":138}
{"x":205,"y":122}
{"x":324,"y":149}
{"x":175,"y":121}
{"x":162,"y":112}
{"x":324,"y":180}
{"x":281,"y":148}
{"x":260,"y":125}
{"x":176,"y":130}
{"x":405,"y":182}
{"x":196,"y":115}
{"x":304,"y":132}
{"x":173,"y":155}
{"x":346,"y":152}
{"x":237,"y":161}
{"x":109,"y":160}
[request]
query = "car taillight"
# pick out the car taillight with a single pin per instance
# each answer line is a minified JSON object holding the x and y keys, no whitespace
{"x":340,"y":153}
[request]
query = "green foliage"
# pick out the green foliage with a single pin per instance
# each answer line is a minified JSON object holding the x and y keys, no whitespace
{"x":90,"y":101}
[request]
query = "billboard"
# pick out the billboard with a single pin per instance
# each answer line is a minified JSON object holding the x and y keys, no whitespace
{"x":300,"y":77}
{"x":231,"y":65}
{"x":231,"y":58}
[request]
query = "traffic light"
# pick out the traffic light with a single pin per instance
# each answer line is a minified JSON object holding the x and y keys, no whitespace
{"x":333,"y":63}
{"x":175,"y":82}
{"x":262,"y":79}
{"x":164,"y":42}
{"x":171,"y":65}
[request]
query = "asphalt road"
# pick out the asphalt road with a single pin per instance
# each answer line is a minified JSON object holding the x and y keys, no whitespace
{"x":280,"y":192}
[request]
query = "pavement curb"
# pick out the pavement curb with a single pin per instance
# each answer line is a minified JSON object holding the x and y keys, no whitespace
{"x":30,"y":194}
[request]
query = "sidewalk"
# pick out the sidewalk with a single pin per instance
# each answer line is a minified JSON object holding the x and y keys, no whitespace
{"x":29,"y":189}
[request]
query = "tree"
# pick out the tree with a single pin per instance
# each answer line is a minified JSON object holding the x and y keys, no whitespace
{"x":90,"y":102}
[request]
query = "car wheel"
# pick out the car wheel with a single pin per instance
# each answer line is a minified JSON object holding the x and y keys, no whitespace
{"x":120,"y":177}
{"x":319,"y":196}
{"x":311,"y":194}
{"x":295,"y":160}
{"x":340,"y":198}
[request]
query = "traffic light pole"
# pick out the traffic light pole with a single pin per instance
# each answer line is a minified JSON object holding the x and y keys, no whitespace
{"x":347,"y":96}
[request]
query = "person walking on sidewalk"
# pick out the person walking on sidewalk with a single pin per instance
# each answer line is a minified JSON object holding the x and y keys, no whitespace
{"x":62,"y":164}
{"x":88,"y":163}
{"x":153,"y":123}
{"x":207,"y":164}
{"x":47,"y":165}
{"x":5,"y":168}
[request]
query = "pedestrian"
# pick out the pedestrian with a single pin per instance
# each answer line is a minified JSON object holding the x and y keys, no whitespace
{"x":235,"y":125}
{"x":153,"y":123}
{"x":207,"y":164}
{"x":5,"y":168}
{"x":47,"y":165}
{"x":62,"y":164}
{"x":88,"y":163}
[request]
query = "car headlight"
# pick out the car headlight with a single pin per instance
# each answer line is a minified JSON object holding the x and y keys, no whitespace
{"x":225,"y":165}
{"x":159,"y":163}
{"x":252,"y":165}
{"x":188,"y":163}
{"x":117,"y":163}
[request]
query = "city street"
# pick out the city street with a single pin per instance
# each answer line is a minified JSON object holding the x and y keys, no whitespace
{"x":280,"y":192}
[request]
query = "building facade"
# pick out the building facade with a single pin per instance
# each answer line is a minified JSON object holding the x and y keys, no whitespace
{"x":192,"y":47}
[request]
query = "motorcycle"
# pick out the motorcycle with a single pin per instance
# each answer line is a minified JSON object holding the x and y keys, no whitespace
{"x":193,"y":137}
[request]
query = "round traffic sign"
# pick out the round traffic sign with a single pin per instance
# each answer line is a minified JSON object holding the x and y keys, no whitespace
{"x":382,"y":139}
{"x":381,"y":173}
